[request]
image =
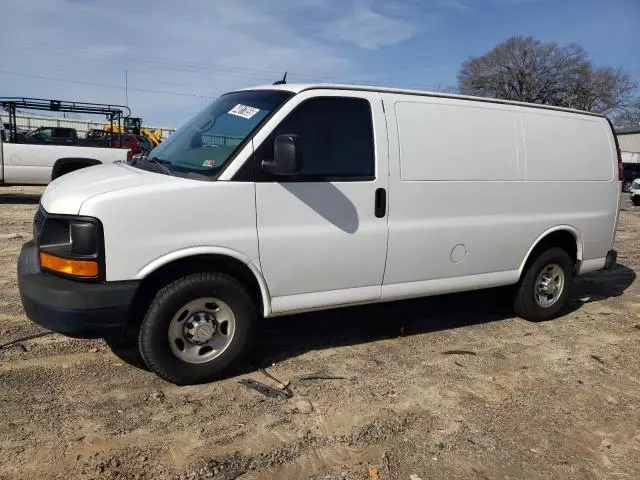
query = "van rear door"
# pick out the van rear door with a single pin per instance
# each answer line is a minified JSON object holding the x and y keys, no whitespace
{"x":323,"y":233}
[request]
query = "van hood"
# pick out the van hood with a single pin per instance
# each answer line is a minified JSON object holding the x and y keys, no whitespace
{"x":66,"y":194}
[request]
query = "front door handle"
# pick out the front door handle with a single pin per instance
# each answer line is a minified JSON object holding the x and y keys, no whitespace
{"x":381,"y":202}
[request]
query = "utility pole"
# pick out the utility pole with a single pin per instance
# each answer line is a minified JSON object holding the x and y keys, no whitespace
{"x":126,"y":87}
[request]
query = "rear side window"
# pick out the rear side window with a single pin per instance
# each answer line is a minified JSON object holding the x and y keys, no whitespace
{"x":335,"y":136}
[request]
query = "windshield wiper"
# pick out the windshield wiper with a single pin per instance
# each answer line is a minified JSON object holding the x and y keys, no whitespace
{"x":162,"y":164}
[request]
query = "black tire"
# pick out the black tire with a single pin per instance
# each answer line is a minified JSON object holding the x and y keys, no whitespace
{"x":153,"y":341}
{"x":636,"y":200}
{"x":525,"y":305}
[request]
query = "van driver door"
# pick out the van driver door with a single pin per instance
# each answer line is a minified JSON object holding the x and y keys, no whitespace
{"x":323,"y":232}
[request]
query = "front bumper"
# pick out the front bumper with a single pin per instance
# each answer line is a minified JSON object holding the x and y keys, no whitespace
{"x":73,"y":308}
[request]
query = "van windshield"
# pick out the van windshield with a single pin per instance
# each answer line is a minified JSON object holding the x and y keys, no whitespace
{"x":202,"y":146}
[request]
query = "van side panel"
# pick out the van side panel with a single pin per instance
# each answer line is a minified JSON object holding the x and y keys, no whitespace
{"x":571,"y":163}
{"x":460,"y":202}
{"x":447,"y":212}
{"x":150,"y":225}
{"x":566,"y":147}
{"x":429,"y":132}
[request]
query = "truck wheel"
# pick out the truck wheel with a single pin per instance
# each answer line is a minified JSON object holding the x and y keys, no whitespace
{"x":544,"y":288}
{"x":196,"y":328}
{"x":636,"y":200}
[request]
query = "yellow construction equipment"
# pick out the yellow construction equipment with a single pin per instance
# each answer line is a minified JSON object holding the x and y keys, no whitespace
{"x":154,"y":135}
{"x":130,"y":125}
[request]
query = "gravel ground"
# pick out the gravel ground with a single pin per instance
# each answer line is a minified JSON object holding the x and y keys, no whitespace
{"x":559,"y":399}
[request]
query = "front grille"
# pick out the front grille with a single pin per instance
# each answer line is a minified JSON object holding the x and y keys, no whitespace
{"x":38,"y":222}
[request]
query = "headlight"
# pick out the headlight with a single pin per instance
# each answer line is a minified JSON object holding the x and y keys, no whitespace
{"x":636,"y":184}
{"x":70,"y":245}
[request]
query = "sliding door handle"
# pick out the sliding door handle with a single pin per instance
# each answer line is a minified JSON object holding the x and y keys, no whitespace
{"x":381,"y":202}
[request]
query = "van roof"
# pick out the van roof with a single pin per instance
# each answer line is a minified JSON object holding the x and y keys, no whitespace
{"x":300,"y":87}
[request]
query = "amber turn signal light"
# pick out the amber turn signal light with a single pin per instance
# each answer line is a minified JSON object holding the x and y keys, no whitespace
{"x":77,"y":268}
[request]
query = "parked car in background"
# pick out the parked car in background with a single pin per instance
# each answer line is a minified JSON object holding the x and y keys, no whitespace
{"x":38,"y":164}
{"x":631,"y":171}
{"x":69,"y":136}
{"x":291,"y":215}
{"x":52,"y":135}
{"x":634,"y":189}
{"x":119,"y":140}
{"x":137,"y":143}
{"x":130,"y":141}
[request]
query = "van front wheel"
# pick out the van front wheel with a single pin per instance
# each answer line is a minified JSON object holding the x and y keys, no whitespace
{"x":196,"y":328}
{"x":545,"y":286}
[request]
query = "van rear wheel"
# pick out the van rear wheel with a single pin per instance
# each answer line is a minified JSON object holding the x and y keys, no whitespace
{"x":196,"y":328}
{"x":544,"y":288}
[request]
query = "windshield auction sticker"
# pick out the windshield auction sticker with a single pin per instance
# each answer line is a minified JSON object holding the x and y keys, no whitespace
{"x":244,"y":111}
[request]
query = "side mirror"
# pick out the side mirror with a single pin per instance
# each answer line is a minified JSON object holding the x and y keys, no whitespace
{"x":287,"y":158}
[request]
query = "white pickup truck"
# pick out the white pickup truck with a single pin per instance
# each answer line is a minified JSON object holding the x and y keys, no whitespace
{"x":26,"y":164}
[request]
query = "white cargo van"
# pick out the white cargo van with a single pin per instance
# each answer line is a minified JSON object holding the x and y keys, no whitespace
{"x":291,"y":198}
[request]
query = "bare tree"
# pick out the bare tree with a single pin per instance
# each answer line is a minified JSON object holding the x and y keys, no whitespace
{"x":628,"y":117}
{"x":603,"y":90}
{"x":528,"y":70}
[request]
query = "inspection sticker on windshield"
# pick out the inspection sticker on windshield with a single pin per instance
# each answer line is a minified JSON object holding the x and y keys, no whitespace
{"x":209,"y":163}
{"x":244,"y":111}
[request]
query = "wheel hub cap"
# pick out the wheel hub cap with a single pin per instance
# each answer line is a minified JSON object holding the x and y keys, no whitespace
{"x":549,"y":285}
{"x":199,"y":328}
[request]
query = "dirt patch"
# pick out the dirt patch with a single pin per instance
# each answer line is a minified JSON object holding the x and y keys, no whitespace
{"x":559,"y":399}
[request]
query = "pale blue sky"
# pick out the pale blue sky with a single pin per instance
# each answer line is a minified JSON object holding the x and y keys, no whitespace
{"x":181,"y":54}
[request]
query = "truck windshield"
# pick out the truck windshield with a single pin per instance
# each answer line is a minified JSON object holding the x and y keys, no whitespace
{"x":206,"y":142}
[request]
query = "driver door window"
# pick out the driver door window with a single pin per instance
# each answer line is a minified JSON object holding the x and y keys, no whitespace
{"x":335,"y":137}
